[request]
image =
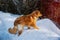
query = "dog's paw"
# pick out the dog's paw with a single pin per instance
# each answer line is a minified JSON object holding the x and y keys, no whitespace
{"x":20,"y":32}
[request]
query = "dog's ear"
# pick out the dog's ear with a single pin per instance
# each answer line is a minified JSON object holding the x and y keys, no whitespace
{"x":37,"y":12}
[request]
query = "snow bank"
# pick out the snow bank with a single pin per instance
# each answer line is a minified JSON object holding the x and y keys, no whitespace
{"x":47,"y":31}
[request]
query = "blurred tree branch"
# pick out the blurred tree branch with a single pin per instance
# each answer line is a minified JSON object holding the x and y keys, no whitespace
{"x":18,"y":6}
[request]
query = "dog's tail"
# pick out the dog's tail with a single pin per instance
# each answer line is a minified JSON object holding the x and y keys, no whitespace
{"x":15,"y":30}
{"x":12,"y":30}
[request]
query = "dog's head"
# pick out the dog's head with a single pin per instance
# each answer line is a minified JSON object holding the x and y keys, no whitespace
{"x":37,"y":13}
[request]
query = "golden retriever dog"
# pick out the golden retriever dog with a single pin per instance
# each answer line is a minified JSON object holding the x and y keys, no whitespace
{"x":27,"y":20}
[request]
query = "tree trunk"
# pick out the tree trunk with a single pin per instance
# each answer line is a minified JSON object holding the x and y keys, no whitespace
{"x":51,"y":10}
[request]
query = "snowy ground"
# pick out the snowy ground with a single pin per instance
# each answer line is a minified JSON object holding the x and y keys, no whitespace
{"x":47,"y":31}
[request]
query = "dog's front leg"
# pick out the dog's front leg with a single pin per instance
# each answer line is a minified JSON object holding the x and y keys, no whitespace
{"x":28,"y":27}
{"x":35,"y":26}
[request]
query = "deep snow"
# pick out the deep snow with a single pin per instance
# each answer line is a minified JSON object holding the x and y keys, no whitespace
{"x":48,"y":30}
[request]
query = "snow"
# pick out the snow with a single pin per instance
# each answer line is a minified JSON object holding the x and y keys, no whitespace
{"x":48,"y":30}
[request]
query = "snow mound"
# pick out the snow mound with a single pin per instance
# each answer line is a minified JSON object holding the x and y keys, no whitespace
{"x":48,"y":30}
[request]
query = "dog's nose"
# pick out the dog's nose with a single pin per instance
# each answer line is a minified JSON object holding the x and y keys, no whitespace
{"x":40,"y":17}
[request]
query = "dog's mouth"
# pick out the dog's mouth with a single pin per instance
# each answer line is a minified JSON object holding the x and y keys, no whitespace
{"x":40,"y":15}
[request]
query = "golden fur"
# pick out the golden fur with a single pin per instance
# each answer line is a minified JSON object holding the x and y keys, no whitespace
{"x":28,"y":20}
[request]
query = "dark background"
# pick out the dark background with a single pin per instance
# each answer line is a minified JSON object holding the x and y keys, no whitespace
{"x":49,"y":8}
